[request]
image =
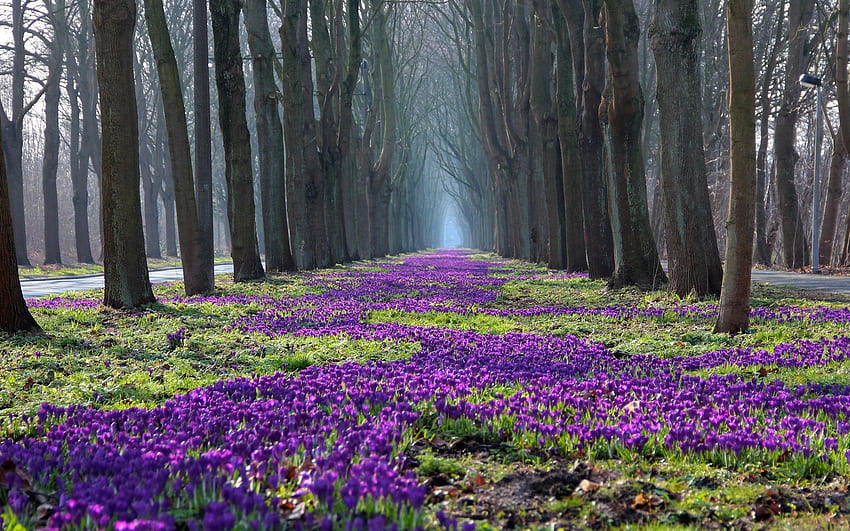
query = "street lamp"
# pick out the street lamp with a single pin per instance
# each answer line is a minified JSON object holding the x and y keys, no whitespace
{"x":815,"y":82}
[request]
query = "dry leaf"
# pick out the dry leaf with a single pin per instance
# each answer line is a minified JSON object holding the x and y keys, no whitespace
{"x":588,"y":486}
{"x":9,"y":466}
{"x":632,"y":406}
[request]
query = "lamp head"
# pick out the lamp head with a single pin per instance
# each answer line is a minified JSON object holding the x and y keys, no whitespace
{"x":810,"y":81}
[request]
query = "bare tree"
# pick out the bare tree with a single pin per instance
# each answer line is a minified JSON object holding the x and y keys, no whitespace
{"x":269,"y":139}
{"x":14,"y":315}
{"x":734,"y":313}
{"x":230,"y":82}
{"x":195,"y":277}
{"x":694,"y":260}
{"x":794,"y":245}
{"x":125,"y":269}
{"x":621,"y":114}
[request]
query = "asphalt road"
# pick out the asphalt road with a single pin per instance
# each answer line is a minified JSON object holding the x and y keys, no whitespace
{"x":50,"y":286}
{"x":37,"y":287}
{"x":820,"y":282}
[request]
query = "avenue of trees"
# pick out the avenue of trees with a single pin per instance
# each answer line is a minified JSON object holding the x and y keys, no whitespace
{"x":591,"y":135}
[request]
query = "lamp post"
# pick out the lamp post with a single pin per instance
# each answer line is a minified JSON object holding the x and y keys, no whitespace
{"x":815,"y":82}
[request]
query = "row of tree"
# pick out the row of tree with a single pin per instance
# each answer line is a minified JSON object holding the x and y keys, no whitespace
{"x":530,"y":115}
{"x":326,"y":197}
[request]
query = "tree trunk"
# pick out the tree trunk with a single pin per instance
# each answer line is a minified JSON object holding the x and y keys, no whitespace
{"x":570,"y":168}
{"x":832,"y":203}
{"x":597,"y":223}
{"x":14,"y":315}
{"x":762,"y":248}
{"x":734,"y":313}
{"x":305,"y":183}
{"x":635,"y":255}
{"x":125,"y":269}
{"x":269,"y":139}
{"x":79,"y":165}
{"x":230,"y":82}
{"x":694,"y":261}
{"x":203,"y":153}
{"x":546,"y":119}
{"x":196,"y":278}
{"x":91,"y":144}
{"x":12,"y":127}
{"x":150,"y":188}
{"x":50,"y":163}
{"x":794,"y":245}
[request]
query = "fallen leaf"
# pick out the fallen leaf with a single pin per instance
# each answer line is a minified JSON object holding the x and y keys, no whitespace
{"x":8,"y":467}
{"x":588,"y":486}
{"x":632,"y":406}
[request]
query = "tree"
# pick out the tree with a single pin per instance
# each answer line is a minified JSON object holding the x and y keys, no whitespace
{"x":734,"y":312}
{"x":203,"y":143}
{"x":588,"y":43}
{"x":305,"y":181}
{"x":794,"y":245}
{"x":570,"y":172}
{"x":230,"y":82}
{"x":85,"y":134}
{"x":58,"y":21}
{"x":195,"y":277}
{"x":762,"y":253}
{"x":126,"y":280}
{"x":694,"y":261}
{"x":13,"y":126}
{"x":269,"y":139}
{"x":383,"y":116}
{"x":832,"y":203}
{"x":14,"y":315}
{"x":636,"y":260}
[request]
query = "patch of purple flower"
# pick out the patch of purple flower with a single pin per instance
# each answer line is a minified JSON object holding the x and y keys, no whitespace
{"x":331,"y":439}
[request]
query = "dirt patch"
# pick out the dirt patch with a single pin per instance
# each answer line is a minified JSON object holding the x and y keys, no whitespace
{"x":560,"y":493}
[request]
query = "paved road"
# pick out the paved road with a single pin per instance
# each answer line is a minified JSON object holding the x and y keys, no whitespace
{"x":40,"y":287}
{"x":833,"y":284}
{"x":37,"y":287}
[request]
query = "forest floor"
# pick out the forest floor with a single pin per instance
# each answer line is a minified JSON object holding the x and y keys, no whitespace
{"x":438,"y":390}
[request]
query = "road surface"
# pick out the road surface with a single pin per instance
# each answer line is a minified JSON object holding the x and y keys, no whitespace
{"x":37,"y":287}
{"x":49,"y":286}
{"x":830,"y":283}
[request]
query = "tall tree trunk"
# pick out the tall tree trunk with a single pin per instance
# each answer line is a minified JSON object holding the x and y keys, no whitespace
{"x":230,"y":82}
{"x":594,"y":186}
{"x":734,"y":313}
{"x":305,"y":182}
{"x":380,"y":173}
{"x":14,"y":315}
{"x":79,"y":164}
{"x":150,"y":189}
{"x":91,"y":144}
{"x":13,"y":142}
{"x":546,"y":121}
{"x":269,"y":139}
{"x":794,"y":245}
{"x":762,"y":249}
{"x":203,"y":145}
{"x":635,"y":255}
{"x":694,"y":260}
{"x":832,"y":203}
{"x":570,"y":168}
{"x":125,"y":269}
{"x":50,"y":162}
{"x":196,"y":278}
